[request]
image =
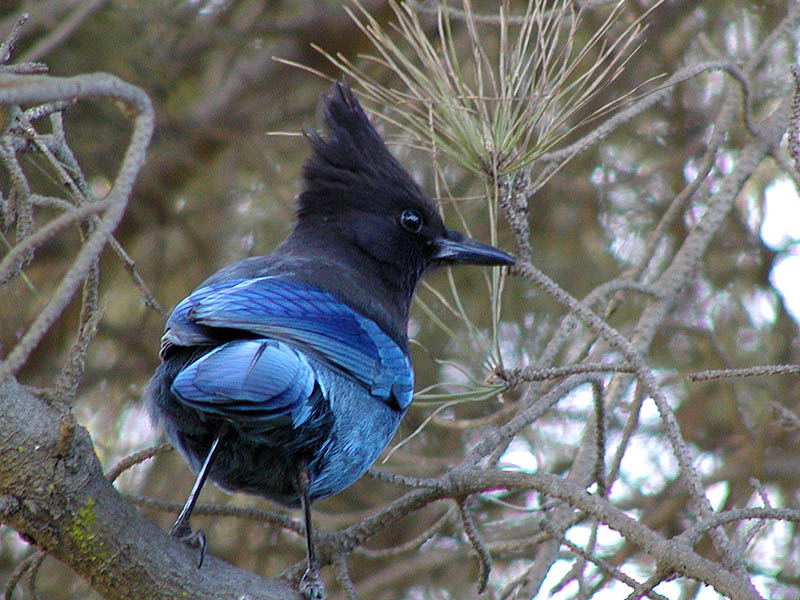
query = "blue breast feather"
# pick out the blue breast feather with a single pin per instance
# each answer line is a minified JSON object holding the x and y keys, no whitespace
{"x":266,"y":379}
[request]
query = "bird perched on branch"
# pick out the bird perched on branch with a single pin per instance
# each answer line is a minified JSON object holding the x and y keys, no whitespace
{"x":286,"y":375}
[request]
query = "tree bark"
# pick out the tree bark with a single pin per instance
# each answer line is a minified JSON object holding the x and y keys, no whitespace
{"x":52,"y":491}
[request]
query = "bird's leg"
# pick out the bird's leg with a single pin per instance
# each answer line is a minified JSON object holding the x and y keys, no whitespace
{"x":311,"y":582}
{"x":181,"y":529}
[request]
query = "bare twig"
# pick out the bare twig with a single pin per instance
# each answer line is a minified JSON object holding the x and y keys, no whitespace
{"x":135,"y":459}
{"x":600,"y":426}
{"x":514,"y":377}
{"x":30,"y":564}
{"x":600,"y":563}
{"x":72,"y":371}
{"x":557,"y":157}
{"x":412,"y":544}
{"x":220,"y":510}
{"x":27,"y":90}
{"x":794,"y":123}
{"x":474,"y":536}
{"x":343,"y":576}
{"x":7,"y":46}
{"x":757,"y":371}
{"x":693,"y":533}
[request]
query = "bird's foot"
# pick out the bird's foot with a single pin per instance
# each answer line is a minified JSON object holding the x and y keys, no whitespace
{"x":311,"y":585}
{"x":194,"y":539}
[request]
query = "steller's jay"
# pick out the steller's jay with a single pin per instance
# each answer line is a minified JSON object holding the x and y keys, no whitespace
{"x":286,"y":375}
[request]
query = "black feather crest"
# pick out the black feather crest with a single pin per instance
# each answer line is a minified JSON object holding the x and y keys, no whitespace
{"x":351,"y":167}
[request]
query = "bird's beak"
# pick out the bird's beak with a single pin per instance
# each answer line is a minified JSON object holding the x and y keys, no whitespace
{"x":453,"y":247}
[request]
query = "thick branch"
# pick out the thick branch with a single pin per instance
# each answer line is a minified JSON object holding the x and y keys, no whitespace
{"x":52,"y":490}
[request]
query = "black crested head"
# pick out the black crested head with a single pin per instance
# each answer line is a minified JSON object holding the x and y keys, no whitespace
{"x":364,"y":224}
{"x":351,"y":167}
{"x":356,"y":191}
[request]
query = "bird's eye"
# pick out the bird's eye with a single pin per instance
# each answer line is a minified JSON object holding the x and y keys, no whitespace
{"x":411,"y":220}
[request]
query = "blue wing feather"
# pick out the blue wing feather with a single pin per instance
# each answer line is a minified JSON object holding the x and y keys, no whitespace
{"x":181,"y":330}
{"x":252,"y":380}
{"x":304,"y":317}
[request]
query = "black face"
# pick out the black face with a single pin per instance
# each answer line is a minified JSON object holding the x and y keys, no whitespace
{"x":404,"y":237}
{"x":355,"y":185}
{"x":416,"y":238}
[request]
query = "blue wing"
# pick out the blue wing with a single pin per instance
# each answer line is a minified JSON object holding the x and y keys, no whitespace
{"x":257,"y":382}
{"x":303,"y":317}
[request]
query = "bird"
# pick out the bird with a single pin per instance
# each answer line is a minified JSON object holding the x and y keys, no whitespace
{"x":286,"y":375}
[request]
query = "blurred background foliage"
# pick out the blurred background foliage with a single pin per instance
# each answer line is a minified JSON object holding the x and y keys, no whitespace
{"x":218,"y":187}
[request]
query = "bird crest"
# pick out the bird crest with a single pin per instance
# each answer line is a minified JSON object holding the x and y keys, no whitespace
{"x":350,"y":167}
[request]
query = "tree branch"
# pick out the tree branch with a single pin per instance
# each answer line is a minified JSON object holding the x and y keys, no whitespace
{"x":53,"y":492}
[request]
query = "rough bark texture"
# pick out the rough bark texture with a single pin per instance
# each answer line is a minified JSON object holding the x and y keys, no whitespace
{"x":52,"y":490}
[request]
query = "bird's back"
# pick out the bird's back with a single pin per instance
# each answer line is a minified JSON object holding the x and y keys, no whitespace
{"x":289,"y":370}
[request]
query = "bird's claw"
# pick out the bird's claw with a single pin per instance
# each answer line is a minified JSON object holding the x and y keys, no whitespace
{"x":311,"y":585}
{"x":193,"y":539}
